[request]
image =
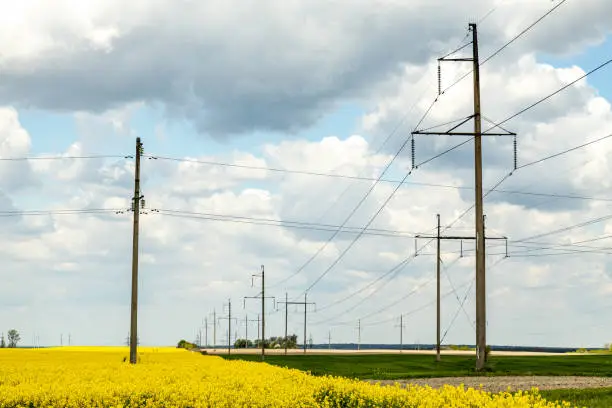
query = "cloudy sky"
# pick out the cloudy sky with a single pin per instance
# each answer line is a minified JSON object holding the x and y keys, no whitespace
{"x":284,"y":90}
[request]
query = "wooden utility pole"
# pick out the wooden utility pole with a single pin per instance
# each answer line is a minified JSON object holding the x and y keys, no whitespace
{"x":480,"y":238}
{"x":305,"y":303}
{"x":263,"y":298}
{"x":136,"y":200}
{"x":438,"y":239}
{"x":286,"y":319}
{"x":329,"y":340}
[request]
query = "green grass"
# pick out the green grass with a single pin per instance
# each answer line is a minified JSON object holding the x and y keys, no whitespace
{"x":404,"y":366}
{"x":591,"y":398}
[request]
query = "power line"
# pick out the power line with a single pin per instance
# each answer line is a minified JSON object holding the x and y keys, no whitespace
{"x":550,"y":95}
{"x":524,"y":31}
{"x":64,"y":157}
{"x":15,"y":213}
{"x":386,"y":180}
{"x":345,"y":251}
{"x":516,"y":37}
{"x":282,"y":223}
{"x":564,"y":152}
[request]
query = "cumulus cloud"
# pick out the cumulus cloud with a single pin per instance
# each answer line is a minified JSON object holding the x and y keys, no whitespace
{"x":280,"y":72}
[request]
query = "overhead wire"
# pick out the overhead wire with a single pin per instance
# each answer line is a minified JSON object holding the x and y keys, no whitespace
{"x":281,"y":223}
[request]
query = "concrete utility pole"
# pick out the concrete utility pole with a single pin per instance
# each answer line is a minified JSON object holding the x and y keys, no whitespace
{"x":206,"y":332}
{"x":246,"y":329}
{"x":229,"y":326}
{"x":480,"y":239}
{"x":263,"y":308}
{"x":329,"y":340}
{"x":61,"y":339}
{"x":439,"y":238}
{"x":305,"y":303}
{"x":136,"y":202}
{"x":401,"y":327}
{"x":215,"y":329}
{"x":358,"y":334}
{"x":286,"y":319}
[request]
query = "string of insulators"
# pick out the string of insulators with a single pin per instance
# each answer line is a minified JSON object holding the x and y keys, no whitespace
{"x":515,"y":153}
{"x":439,"y":79}
{"x":413,"y":151}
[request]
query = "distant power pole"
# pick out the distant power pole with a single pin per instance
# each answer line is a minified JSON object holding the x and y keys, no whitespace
{"x":136,"y":201}
{"x":263,"y":298}
{"x":206,"y":331}
{"x":229,"y":325}
{"x":214,"y":329}
{"x":61,"y":339}
{"x":329,"y":340}
{"x":481,"y":340}
{"x":246,"y":329}
{"x":358,"y":334}
{"x":69,"y":339}
{"x":438,"y":238}
{"x":401,"y":327}
{"x":305,"y":303}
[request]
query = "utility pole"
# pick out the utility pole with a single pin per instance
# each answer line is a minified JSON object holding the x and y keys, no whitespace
{"x":61,"y":339}
{"x":263,"y":307}
{"x":69,"y":339}
{"x":481,"y":327}
{"x":305,"y":317}
{"x":286,"y":319}
{"x":329,"y":340}
{"x":206,"y":331}
{"x":401,"y":326}
{"x":438,"y":239}
{"x":136,"y":202}
{"x":246,"y":328}
{"x":305,"y":303}
{"x":229,"y":326}
{"x":358,"y":334}
{"x":481,"y":339}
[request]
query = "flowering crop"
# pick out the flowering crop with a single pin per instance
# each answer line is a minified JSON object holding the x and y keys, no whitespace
{"x":166,"y":377}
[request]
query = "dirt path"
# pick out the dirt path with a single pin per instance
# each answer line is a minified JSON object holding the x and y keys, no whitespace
{"x":500,"y":384}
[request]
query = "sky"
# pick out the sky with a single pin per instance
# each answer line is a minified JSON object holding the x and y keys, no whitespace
{"x":237,"y":112}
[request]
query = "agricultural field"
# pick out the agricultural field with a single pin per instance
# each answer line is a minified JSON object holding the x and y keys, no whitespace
{"x":423,"y":367}
{"x":168,"y":377}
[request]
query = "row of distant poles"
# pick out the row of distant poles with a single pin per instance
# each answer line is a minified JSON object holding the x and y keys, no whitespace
{"x":138,"y":203}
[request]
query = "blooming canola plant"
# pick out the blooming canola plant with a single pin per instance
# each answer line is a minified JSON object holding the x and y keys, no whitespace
{"x":169,"y":377}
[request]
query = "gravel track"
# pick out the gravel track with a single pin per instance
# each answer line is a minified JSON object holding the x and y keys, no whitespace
{"x":500,"y":384}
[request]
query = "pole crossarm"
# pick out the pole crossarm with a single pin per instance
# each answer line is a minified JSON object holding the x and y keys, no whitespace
{"x":449,"y":133}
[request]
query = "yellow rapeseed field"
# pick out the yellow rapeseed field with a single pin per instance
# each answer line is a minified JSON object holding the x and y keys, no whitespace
{"x":168,"y":377}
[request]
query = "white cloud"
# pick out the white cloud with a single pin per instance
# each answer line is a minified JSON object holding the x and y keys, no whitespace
{"x":279,"y":72}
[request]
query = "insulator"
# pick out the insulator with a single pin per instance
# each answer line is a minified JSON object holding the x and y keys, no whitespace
{"x":515,"y":153}
{"x":439,"y":79}
{"x":142,"y":203}
{"x":413,"y":149}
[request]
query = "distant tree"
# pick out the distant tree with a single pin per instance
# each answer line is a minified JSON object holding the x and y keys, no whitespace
{"x":13,"y":338}
{"x":242,"y":343}
{"x":2,"y":342}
